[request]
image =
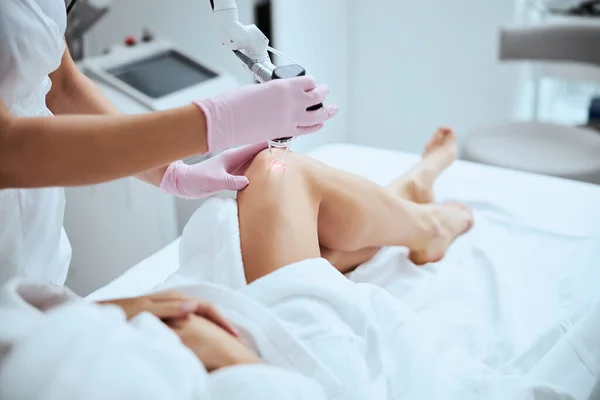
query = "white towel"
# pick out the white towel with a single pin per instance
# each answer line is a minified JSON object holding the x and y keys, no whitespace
{"x":324,"y":336}
{"x":56,"y":346}
{"x":209,"y":250}
{"x":373,"y":345}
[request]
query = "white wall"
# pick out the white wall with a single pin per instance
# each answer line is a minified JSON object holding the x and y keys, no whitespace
{"x":421,"y":64}
{"x":315,"y":34}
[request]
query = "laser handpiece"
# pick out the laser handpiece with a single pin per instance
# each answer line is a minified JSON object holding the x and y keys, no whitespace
{"x":261,"y":72}
{"x":264,"y":74}
{"x":288,"y":72}
{"x":251,"y":46}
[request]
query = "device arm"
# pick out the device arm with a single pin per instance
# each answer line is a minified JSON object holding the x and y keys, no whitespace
{"x":236,"y":36}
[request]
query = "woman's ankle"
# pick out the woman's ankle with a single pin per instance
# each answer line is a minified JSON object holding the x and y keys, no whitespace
{"x":426,"y":227}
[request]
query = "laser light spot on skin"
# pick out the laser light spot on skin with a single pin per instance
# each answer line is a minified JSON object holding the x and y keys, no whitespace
{"x":278,"y":165}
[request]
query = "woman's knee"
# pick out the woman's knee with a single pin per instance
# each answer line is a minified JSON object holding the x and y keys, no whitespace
{"x":272,"y":181}
{"x":277,"y":216}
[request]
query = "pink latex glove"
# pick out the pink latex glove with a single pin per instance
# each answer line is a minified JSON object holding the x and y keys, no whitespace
{"x":211,"y":176}
{"x":258,"y":113}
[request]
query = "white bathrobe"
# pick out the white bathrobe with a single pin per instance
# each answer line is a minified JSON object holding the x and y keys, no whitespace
{"x":322,"y":334}
{"x":56,"y":346}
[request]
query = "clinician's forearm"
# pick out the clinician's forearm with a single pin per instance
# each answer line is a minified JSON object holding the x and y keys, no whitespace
{"x":81,"y":150}
{"x":77,"y":94}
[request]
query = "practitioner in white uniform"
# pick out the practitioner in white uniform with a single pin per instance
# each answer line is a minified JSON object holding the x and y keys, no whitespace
{"x":39,"y":153}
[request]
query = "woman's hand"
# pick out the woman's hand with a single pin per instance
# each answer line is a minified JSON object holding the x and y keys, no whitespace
{"x":213,"y":346}
{"x":212,"y":176}
{"x":172,"y":305}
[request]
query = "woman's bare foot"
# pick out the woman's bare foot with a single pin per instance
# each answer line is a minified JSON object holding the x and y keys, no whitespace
{"x":440,"y":151}
{"x":454,"y":220}
{"x":417,"y":184}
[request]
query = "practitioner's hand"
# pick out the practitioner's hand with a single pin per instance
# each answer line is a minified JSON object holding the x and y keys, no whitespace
{"x":212,"y":176}
{"x":213,"y":346}
{"x":258,"y":113}
{"x":172,"y":305}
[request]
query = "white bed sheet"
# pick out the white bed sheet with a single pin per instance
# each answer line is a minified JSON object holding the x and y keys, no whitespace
{"x":551,"y":204}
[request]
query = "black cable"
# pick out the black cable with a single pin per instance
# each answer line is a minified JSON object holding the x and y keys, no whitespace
{"x":212,"y":4}
{"x":70,"y":6}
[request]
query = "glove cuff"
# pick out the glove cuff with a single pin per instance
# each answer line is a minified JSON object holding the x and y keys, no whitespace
{"x":219,"y":123}
{"x":171,"y":180}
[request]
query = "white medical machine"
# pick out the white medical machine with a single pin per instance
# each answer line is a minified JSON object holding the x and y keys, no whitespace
{"x":154,"y":75}
{"x":142,"y":74}
{"x":132,"y":219}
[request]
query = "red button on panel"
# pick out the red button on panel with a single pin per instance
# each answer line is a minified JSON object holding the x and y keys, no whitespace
{"x":130,"y":41}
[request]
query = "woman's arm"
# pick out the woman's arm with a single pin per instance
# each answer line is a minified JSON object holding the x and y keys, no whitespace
{"x":80,"y":150}
{"x":74,"y":93}
{"x":214,"y":347}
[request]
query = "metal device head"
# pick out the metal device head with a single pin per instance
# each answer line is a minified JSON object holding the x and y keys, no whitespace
{"x":262,"y":73}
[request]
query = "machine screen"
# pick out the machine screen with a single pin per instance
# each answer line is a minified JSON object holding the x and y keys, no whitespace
{"x":162,"y":74}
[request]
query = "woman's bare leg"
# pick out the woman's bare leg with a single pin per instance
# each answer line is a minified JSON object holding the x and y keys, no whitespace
{"x":278,"y":215}
{"x":285,"y":216}
{"x":416,"y":185}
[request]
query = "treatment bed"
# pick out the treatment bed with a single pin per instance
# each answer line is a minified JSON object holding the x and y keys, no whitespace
{"x":509,"y":291}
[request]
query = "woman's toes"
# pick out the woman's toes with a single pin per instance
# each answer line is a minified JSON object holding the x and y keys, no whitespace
{"x":459,"y":218}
